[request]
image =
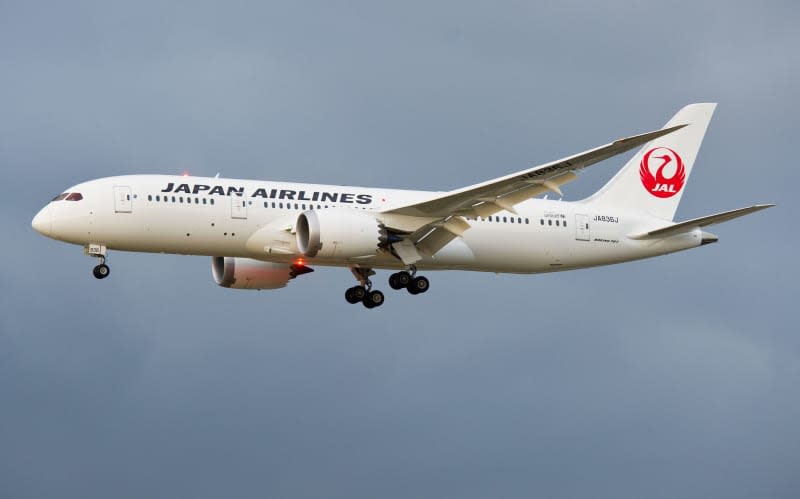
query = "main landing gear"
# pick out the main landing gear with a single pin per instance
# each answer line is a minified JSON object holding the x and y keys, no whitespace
{"x":100,"y":271}
{"x":364,"y":293}
{"x":413,"y":283}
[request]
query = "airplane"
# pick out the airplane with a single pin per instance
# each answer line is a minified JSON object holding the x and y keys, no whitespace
{"x":263,"y":234}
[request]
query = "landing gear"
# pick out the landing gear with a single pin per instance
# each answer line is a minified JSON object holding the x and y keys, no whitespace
{"x":102,"y":270}
{"x":418,"y":285}
{"x":373,"y":299}
{"x":413,"y":283}
{"x":363,"y":292}
{"x":399,"y":280}
{"x":355,"y":294}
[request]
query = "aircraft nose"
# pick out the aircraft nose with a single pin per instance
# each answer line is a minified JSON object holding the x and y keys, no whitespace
{"x":43,"y":221}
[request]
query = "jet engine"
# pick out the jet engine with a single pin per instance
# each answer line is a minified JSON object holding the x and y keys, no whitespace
{"x":244,"y":273}
{"x":338,"y":233}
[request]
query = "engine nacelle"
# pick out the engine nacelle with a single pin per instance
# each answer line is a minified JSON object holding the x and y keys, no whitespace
{"x":339,"y":233}
{"x":244,"y":273}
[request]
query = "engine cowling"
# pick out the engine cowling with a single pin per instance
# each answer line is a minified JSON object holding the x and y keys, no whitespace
{"x":338,"y":233}
{"x":244,"y":273}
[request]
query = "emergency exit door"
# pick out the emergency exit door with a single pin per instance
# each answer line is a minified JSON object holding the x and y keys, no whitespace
{"x":122,"y":199}
{"x":238,"y":207}
{"x":582,"y":228}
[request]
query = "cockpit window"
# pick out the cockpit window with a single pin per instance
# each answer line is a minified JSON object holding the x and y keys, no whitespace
{"x":75,"y":196}
{"x":61,"y":196}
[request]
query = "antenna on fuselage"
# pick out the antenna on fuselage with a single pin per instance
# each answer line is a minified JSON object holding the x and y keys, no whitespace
{"x":217,"y":175}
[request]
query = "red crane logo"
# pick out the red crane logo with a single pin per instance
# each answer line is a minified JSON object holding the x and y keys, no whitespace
{"x":658,"y":159}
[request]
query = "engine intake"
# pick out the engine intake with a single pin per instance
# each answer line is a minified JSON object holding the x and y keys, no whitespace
{"x":338,"y":233}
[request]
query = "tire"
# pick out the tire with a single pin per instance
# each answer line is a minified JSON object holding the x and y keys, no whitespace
{"x":404,"y":278}
{"x":101,"y":271}
{"x":354,"y":294}
{"x":399,"y":280}
{"x":418,"y":285}
{"x":373,"y":299}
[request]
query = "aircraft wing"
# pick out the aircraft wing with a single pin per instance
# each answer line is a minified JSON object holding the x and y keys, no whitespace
{"x":444,"y":212}
{"x":503,"y":193}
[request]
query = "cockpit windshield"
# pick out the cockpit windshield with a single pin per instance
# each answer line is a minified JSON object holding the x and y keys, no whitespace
{"x":69,"y":196}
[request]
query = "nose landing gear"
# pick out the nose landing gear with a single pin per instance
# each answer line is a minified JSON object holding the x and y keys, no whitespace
{"x":100,"y":271}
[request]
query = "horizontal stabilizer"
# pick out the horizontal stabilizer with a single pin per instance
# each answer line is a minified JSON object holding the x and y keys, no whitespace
{"x":688,"y":225}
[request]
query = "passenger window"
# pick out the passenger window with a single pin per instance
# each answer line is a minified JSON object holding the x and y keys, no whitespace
{"x":212,"y":201}
{"x":173,"y":199}
{"x":541,"y":221}
{"x":565,"y":223}
{"x":512,"y":220}
{"x":527,"y":221}
{"x":75,"y":196}
{"x":204,"y":200}
{"x":149,"y":197}
{"x":181,"y":198}
{"x":550,"y":222}
{"x":504,"y":220}
{"x":280,"y":205}
{"x":557,"y":223}
{"x":158,"y":198}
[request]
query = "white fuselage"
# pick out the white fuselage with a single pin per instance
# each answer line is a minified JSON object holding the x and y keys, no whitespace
{"x":255,"y":219}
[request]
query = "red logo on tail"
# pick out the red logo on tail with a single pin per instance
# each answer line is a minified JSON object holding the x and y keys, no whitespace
{"x":658,"y":159}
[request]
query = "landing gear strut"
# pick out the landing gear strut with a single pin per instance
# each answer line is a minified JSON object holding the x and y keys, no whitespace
{"x":413,"y":283}
{"x":100,"y":271}
{"x":363,"y":293}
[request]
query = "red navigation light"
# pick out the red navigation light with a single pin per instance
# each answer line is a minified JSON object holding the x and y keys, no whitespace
{"x":298,"y":267}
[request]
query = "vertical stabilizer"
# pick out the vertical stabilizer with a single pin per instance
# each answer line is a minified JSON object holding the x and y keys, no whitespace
{"x":653,"y":181}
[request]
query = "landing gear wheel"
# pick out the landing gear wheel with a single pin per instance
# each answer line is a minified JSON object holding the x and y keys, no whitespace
{"x":355,"y":294}
{"x":399,"y":280}
{"x":101,"y":271}
{"x":373,"y":299}
{"x":418,"y":285}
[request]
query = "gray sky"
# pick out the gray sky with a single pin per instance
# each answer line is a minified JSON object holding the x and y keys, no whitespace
{"x":674,"y":377}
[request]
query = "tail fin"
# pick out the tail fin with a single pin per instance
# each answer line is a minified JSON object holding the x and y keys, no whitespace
{"x":653,"y":181}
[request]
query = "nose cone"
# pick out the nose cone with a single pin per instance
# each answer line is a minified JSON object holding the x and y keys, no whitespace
{"x":43,"y":221}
